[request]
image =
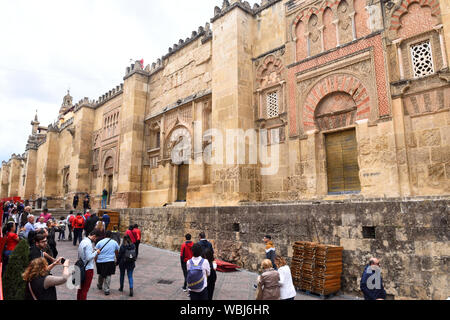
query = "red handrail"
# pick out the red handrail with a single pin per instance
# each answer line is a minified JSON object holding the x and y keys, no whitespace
{"x":1,"y":263}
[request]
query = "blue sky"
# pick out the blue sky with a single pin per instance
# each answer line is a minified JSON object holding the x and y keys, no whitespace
{"x":50,"y":46}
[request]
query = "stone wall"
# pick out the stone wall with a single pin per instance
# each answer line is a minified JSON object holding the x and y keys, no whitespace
{"x":411,"y":237}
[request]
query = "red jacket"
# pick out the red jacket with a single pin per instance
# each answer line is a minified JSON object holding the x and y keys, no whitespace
{"x":77,"y":225}
{"x":186,"y":251}
{"x":137,"y":233}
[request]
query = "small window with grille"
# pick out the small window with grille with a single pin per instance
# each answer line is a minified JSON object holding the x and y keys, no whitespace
{"x":422,"y":59}
{"x":272,"y":105}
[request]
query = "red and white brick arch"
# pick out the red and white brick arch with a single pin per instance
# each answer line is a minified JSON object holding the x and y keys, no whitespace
{"x":336,"y":83}
{"x":403,"y":9}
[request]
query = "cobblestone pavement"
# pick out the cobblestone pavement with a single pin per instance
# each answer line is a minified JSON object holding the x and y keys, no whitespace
{"x":155,"y":266}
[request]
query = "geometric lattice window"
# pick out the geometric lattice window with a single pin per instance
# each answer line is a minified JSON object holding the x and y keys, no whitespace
{"x":422,"y":59}
{"x":154,"y":162}
{"x":272,"y":105}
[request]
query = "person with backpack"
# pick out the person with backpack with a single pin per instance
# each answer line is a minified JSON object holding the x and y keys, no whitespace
{"x":106,"y":262}
{"x":78,"y":226}
{"x":91,"y":223}
{"x":127,"y":262}
{"x":87,"y":254}
{"x":185,"y":256}
{"x":198,"y":271}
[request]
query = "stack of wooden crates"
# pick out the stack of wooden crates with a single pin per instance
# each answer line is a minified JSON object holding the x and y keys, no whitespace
{"x":317,"y":268}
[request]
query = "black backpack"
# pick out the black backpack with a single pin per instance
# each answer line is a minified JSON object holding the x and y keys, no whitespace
{"x":130,"y":255}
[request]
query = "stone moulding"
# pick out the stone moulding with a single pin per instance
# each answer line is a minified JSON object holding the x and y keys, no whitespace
{"x":180,"y":103}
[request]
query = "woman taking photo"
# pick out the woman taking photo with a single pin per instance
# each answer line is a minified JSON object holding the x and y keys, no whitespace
{"x":126,"y":261}
{"x":268,"y":282}
{"x":40,"y":285}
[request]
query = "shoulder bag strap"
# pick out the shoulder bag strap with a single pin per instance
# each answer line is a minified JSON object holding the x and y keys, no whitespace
{"x":106,"y":244}
{"x":31,"y":291}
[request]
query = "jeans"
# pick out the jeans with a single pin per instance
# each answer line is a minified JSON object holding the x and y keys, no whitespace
{"x":77,"y":235}
{"x":129,"y":274}
{"x":84,"y":289}
{"x":62,"y":234}
{"x":104,"y":201}
{"x":70,"y":232}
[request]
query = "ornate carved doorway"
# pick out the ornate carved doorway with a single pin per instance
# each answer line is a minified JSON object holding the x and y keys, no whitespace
{"x":183,"y":182}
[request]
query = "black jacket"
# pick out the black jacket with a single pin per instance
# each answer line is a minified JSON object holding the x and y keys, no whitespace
{"x":205,"y":244}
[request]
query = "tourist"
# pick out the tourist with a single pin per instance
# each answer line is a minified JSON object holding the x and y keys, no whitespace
{"x":104,"y":198}
{"x":115,"y":235}
{"x":205,"y":244}
{"x":5,"y":212}
{"x":198,"y":271}
{"x":46,"y":215}
{"x":371,"y":281}
{"x":87,"y":254}
{"x":100,"y":226}
{"x":185,"y":256}
{"x":12,"y":239}
{"x":287,"y":289}
{"x":106,"y":262}
{"x":131,"y":234}
{"x":126,"y":262}
{"x":29,"y":226}
{"x":106,"y":220}
{"x":137,"y":233}
{"x":75,"y":202}
{"x":39,"y":250}
{"x":91,"y":222}
{"x":51,"y":237}
{"x":270,"y":250}
{"x":208,"y":255}
{"x":86,"y":203}
{"x":14,"y":216}
{"x":69,"y":222}
{"x":40,"y":284}
{"x":268,"y":282}
{"x":22,"y":233}
{"x":23,"y":218}
{"x":78,"y":226}
{"x":87,"y":214}
{"x":62,"y":229}
{"x":41,"y":224}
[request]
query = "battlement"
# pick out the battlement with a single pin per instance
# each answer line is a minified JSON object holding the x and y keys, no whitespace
{"x":114,"y":92}
{"x":227,"y":6}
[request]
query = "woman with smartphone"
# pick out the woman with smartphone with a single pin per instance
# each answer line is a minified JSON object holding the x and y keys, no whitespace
{"x":40,"y":285}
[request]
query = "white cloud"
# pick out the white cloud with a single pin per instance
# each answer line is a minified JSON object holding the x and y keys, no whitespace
{"x":49,"y":46}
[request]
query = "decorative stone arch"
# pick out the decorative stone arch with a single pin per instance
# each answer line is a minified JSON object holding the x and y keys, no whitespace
{"x":109,"y":160}
{"x":171,"y":141}
{"x":270,"y":71}
{"x":403,"y":7}
{"x":344,"y":83}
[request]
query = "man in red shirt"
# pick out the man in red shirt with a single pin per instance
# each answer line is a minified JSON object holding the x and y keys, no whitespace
{"x":78,"y":226}
{"x":185,"y":256}
{"x":137,"y":234}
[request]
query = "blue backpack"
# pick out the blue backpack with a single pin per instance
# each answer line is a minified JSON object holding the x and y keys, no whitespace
{"x":194,"y":278}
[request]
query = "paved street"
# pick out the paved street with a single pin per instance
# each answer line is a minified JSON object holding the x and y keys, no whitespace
{"x":155,"y":266}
